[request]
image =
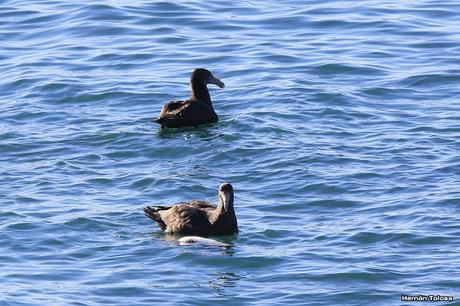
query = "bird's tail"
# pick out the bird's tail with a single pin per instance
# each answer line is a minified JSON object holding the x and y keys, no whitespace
{"x":160,"y":121}
{"x":152,"y":213}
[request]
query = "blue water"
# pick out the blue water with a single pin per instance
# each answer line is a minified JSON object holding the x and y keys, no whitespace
{"x":339,"y":130}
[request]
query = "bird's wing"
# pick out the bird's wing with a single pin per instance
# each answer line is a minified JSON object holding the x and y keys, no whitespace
{"x":173,"y":109}
{"x":185,"y":219}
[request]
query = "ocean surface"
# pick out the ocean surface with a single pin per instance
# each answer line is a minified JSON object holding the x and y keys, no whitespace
{"x":339,"y":130}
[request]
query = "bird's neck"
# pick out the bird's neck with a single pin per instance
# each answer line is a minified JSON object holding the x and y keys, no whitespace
{"x":219,"y":214}
{"x":199,"y":91}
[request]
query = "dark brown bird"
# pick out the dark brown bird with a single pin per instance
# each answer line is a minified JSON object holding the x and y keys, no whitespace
{"x":195,"y":110}
{"x":197,"y":217}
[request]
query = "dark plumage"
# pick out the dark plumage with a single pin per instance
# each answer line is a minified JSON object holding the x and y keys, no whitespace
{"x":197,"y":217}
{"x":195,"y":110}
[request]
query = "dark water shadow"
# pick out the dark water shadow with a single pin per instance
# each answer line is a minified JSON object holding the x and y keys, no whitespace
{"x":222,"y":282}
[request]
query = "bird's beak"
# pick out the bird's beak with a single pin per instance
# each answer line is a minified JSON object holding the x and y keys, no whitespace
{"x":215,"y":81}
{"x":227,"y":200}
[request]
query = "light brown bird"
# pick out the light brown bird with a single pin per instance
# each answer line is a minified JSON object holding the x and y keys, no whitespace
{"x":197,"y":217}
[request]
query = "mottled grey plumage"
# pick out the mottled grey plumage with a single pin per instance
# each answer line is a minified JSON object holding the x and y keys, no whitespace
{"x":195,"y":110}
{"x":197,"y":217}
